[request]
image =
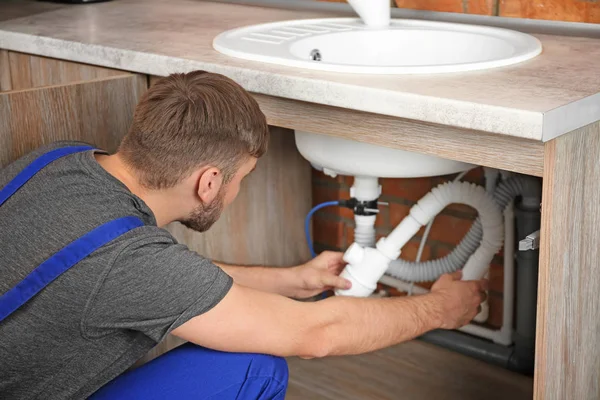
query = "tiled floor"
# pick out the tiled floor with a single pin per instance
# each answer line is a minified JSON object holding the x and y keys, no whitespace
{"x":411,"y":371}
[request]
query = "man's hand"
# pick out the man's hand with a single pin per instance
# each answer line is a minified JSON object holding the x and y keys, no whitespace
{"x":318,"y":275}
{"x":459,"y":301}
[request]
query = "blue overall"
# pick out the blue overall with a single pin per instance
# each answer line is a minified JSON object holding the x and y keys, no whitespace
{"x":188,"y":372}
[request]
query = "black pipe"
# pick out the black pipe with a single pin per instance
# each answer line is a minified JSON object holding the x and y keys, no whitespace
{"x":519,"y":357}
{"x":528,"y":219}
{"x":471,"y":346}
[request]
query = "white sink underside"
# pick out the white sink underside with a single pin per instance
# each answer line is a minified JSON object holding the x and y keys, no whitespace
{"x":349,"y":157}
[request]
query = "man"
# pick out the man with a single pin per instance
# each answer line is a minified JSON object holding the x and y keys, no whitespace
{"x":193,"y":139}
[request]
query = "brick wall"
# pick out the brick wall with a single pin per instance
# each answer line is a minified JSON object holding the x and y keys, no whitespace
{"x":561,"y":10}
{"x":333,"y":226}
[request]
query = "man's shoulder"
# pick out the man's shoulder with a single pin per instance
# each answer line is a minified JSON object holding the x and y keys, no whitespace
{"x":147,"y":235}
{"x":16,"y":166}
{"x":45,"y":148}
{"x":153,"y":244}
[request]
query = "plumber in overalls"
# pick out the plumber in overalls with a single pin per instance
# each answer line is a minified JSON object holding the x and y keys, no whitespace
{"x":90,"y":281}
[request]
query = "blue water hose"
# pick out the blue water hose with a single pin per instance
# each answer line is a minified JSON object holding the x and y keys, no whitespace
{"x":307,"y":223}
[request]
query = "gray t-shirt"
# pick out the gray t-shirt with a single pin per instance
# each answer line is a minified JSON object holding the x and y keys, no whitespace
{"x":99,"y":317}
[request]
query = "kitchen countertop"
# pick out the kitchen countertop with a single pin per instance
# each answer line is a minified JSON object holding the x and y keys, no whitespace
{"x":540,"y":99}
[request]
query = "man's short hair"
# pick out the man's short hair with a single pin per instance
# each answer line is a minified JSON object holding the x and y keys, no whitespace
{"x":187,"y":121}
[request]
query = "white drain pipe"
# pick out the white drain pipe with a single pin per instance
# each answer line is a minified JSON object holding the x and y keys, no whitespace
{"x":365,"y":188}
{"x":364,"y":231}
{"x":367,"y":265}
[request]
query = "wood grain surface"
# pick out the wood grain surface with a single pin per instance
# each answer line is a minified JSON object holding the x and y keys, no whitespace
{"x":568,"y":315}
{"x":411,"y":371}
{"x":98,"y":112}
{"x":29,"y":71}
{"x":481,"y":148}
{"x":5,"y":82}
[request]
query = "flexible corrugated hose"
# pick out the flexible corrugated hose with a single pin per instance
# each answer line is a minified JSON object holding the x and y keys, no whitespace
{"x":433,"y":269}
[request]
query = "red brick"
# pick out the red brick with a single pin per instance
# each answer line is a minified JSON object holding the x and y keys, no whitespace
{"x":426,"y":285}
{"x":485,"y":7}
{"x":438,"y":180}
{"x":383,"y":218}
{"x":441,"y":250}
{"x":495,"y":317}
{"x":475,"y":176}
{"x":482,"y":7}
{"x":496,"y":278}
{"x":449,"y":229}
{"x":322,"y":194}
{"x":409,"y":251}
{"x":397,"y":212}
{"x":384,"y":232}
{"x":412,"y":189}
{"x":463,"y":209}
{"x":432,"y":5}
{"x":561,"y":10}
{"x":392,"y":291}
{"x":330,"y":233}
{"x":500,"y":254}
{"x":321,"y":177}
{"x":349,"y":234}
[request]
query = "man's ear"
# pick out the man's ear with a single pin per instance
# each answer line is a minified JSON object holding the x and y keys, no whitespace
{"x":209,"y":184}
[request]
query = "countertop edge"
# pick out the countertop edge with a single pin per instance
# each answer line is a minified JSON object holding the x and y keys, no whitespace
{"x":569,"y":117}
{"x":517,"y":123}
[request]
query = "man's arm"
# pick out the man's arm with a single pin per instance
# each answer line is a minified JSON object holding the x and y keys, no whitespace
{"x":247,"y":320}
{"x":266,"y":279}
{"x":317,"y":275}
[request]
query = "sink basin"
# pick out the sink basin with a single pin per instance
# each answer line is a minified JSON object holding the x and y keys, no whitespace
{"x":405,"y":47}
{"x":334,"y":156}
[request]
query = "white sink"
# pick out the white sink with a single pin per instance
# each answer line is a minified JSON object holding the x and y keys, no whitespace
{"x":405,"y":47}
{"x":335,"y":156}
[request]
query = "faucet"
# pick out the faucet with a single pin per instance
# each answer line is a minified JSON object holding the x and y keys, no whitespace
{"x":374,"y":13}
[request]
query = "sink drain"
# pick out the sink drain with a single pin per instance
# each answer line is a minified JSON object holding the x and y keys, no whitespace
{"x":315,"y":55}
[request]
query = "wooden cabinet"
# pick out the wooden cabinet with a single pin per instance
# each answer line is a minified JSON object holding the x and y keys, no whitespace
{"x":20,"y":71}
{"x":54,"y":100}
{"x":5,"y":83}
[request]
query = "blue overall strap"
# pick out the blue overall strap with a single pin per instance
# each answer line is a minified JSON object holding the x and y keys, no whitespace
{"x":69,"y":255}
{"x":62,"y":260}
{"x":29,"y":171}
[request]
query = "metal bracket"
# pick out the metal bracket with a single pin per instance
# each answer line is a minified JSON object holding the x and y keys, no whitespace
{"x":531,"y":242}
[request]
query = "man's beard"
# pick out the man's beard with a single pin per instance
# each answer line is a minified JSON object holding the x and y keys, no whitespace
{"x":204,"y":216}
